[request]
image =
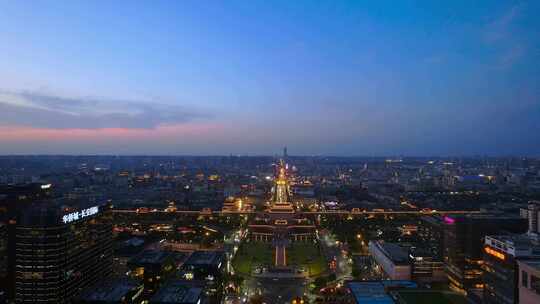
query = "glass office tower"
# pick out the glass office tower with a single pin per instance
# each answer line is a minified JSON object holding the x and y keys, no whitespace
{"x":54,"y":252}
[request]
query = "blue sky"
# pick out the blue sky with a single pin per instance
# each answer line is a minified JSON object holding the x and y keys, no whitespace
{"x":248,"y":77}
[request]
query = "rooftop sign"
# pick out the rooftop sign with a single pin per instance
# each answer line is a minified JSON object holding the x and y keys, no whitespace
{"x":74,"y":216}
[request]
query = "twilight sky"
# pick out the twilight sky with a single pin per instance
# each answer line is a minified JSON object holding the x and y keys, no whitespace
{"x":248,"y":77}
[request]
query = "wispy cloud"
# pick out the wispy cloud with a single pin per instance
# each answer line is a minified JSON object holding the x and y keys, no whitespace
{"x":39,"y":110}
{"x":511,"y":56}
{"x":500,"y":27}
{"x":435,"y":59}
{"x":500,"y":34}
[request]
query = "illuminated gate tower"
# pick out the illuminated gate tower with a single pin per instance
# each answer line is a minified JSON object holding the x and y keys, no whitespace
{"x":280,"y":222}
{"x":281,"y":208}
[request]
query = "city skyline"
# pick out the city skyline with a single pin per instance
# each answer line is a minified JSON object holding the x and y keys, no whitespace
{"x":230,"y":230}
{"x":339,"y":78}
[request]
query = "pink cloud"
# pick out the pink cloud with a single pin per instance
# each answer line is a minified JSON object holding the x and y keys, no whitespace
{"x":27,"y":134}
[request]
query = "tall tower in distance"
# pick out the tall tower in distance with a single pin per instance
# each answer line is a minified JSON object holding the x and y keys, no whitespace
{"x":285,"y":154}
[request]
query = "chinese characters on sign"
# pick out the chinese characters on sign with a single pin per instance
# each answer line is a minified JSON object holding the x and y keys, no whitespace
{"x":70,"y":217}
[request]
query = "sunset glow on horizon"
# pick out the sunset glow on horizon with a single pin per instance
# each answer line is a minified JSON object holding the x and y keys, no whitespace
{"x":335,"y":78}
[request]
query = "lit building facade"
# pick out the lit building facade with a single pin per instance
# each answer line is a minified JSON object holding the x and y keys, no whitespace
{"x":424,"y":267}
{"x":463,"y":247}
{"x":500,"y":266}
{"x":431,"y":234}
{"x":533,"y":215}
{"x":529,"y":282}
{"x":55,"y":253}
{"x":280,"y":221}
{"x":392,"y":259}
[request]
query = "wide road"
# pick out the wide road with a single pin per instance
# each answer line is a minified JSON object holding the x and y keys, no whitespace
{"x":331,"y":250}
{"x":328,"y":212}
{"x":281,"y":256}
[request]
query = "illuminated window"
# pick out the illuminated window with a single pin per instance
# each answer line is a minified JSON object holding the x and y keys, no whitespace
{"x":494,"y":253}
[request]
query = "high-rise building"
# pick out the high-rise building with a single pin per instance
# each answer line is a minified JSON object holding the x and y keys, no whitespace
{"x":4,"y":282}
{"x":529,"y":282}
{"x":463,"y":246}
{"x":533,"y":216}
{"x":431,"y":234}
{"x":16,"y":197}
{"x":13,"y":198}
{"x":55,"y":252}
{"x":501,"y":254}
